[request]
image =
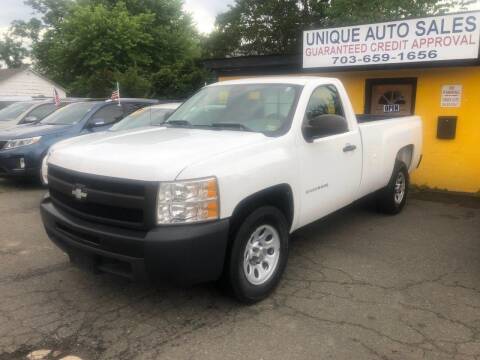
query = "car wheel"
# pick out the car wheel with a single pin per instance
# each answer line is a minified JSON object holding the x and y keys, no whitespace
{"x":392,"y":198}
{"x":258,"y":255}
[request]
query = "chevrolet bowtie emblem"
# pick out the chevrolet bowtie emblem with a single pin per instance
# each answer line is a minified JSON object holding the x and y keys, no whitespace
{"x":79,"y":192}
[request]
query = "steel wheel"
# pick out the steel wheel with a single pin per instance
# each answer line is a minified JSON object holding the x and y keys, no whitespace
{"x":261,"y":255}
{"x":400,"y":185}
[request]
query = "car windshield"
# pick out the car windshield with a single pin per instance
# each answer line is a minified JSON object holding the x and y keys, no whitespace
{"x":68,"y":115}
{"x":265,"y":108}
{"x":144,"y":117}
{"x":14,"y":110}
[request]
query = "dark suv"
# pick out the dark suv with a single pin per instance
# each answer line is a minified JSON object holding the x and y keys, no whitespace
{"x":23,"y":147}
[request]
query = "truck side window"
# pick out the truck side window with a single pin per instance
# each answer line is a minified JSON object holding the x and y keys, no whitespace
{"x":324,"y":115}
{"x":109,"y":114}
{"x":324,"y":100}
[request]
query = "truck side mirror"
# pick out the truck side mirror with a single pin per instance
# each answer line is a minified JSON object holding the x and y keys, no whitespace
{"x":325,"y":125}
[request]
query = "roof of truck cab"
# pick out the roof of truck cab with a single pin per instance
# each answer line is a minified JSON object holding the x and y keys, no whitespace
{"x":294,"y":80}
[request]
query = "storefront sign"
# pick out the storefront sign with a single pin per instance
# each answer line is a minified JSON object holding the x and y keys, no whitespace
{"x":451,"y":96}
{"x":447,"y":37}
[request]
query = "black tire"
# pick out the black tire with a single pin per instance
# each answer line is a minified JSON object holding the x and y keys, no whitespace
{"x":240,"y":286}
{"x":387,"y":202}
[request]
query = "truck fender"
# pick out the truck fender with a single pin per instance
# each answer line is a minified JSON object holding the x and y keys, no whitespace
{"x":279,"y":196}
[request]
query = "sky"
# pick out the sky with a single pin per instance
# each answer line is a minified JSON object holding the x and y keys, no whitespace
{"x":202,"y":11}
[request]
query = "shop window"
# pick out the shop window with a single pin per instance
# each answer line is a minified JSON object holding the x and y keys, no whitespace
{"x":394,"y":96}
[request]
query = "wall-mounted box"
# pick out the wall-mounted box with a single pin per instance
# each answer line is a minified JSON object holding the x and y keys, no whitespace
{"x":446,"y":127}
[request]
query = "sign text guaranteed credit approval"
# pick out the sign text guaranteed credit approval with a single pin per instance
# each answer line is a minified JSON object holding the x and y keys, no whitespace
{"x":446,"y":37}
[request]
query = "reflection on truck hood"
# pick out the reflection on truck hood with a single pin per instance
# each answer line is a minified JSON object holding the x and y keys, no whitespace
{"x":31,"y":130}
{"x":148,"y":154}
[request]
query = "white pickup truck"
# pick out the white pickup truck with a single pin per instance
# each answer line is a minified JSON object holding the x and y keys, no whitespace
{"x":215,"y":192}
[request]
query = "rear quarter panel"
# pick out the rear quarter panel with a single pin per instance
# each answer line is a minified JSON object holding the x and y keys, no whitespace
{"x":381,"y":142}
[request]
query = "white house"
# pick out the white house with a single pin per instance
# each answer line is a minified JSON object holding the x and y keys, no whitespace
{"x":24,"y":82}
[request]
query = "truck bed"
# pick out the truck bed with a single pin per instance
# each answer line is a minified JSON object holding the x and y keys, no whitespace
{"x":382,"y":138}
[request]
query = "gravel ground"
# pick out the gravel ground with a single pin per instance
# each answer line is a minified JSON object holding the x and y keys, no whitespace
{"x":358,"y":285}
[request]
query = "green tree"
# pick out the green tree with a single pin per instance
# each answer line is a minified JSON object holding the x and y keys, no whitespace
{"x":253,"y":27}
{"x":88,"y":45}
{"x":12,"y":52}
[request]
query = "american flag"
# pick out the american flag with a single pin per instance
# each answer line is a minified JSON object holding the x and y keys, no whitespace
{"x":116,"y":94}
{"x":56,"y":98}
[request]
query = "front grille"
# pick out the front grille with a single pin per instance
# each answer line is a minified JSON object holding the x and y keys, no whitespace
{"x":112,"y":201}
{"x":2,"y":144}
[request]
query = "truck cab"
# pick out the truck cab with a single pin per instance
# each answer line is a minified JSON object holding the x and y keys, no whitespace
{"x":217,"y":190}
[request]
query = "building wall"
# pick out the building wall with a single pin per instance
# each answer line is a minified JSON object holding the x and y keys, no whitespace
{"x":27,"y":83}
{"x":452,"y":165}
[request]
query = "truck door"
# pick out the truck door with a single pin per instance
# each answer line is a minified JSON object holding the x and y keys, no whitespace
{"x":331,"y":162}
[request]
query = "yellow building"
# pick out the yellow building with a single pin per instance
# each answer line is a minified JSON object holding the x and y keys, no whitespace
{"x":446,"y":94}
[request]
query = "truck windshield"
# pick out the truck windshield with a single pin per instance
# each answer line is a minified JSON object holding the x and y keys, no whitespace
{"x":144,"y":117}
{"x":265,"y":108}
{"x":13,"y":111}
{"x":68,"y":115}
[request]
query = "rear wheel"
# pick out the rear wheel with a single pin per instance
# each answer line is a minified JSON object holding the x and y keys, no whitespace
{"x":258,"y":255}
{"x":392,"y":198}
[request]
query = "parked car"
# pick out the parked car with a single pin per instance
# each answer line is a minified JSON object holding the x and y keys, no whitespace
{"x":23,"y":148}
{"x":217,"y":190}
{"x":28,"y":112}
{"x":148,"y":116}
{"x":8,"y":100}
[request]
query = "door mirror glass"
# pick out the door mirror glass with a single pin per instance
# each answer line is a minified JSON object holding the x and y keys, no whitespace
{"x":325,"y":125}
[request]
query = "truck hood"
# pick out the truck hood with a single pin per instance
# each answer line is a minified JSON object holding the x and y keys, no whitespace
{"x":158,"y":154}
{"x":31,"y":130}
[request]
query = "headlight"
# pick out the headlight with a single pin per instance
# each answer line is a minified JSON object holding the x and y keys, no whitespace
{"x":187,"y":201}
{"x":12,"y":144}
{"x":44,"y":169}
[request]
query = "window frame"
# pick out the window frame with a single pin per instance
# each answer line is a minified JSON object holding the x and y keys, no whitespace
{"x":93,"y":116}
{"x":305,"y":120}
{"x":38,"y":107}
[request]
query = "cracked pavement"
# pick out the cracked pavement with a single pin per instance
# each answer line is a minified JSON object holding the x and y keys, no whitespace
{"x":358,"y":285}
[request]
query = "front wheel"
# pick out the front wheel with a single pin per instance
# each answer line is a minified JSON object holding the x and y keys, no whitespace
{"x":258,"y":255}
{"x":392,"y":198}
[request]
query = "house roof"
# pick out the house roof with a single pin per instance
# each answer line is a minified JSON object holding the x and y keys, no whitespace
{"x":6,"y":74}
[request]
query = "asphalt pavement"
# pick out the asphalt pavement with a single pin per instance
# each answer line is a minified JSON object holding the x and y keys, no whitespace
{"x":359,"y":285}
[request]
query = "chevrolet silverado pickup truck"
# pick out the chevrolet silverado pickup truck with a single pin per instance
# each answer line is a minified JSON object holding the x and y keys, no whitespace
{"x":215,"y":192}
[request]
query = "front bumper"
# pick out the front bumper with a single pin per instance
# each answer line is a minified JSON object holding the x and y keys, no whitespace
{"x":10,"y":162}
{"x":182,"y":254}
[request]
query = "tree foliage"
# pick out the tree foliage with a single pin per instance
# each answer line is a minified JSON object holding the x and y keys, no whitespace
{"x":252,"y":27}
{"x":88,"y":45}
{"x":12,"y":52}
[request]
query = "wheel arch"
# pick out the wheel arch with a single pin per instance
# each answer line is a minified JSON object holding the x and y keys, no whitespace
{"x":405,"y":155}
{"x":279,"y":196}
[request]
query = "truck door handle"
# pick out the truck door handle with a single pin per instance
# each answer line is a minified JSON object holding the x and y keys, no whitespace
{"x":349,"y":147}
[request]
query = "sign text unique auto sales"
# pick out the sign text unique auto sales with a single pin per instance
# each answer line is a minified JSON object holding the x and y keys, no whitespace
{"x":446,"y":37}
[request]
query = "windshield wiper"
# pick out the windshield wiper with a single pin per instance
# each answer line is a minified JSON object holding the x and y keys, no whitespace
{"x":234,"y":126}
